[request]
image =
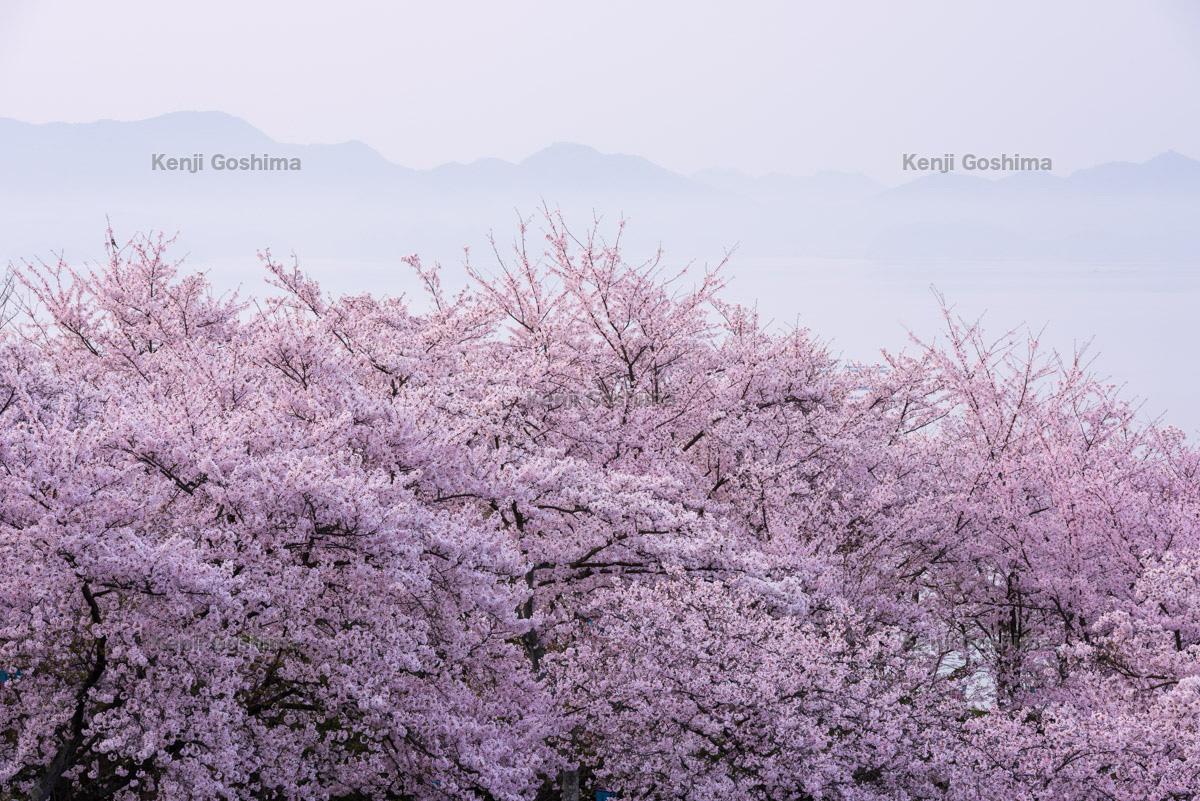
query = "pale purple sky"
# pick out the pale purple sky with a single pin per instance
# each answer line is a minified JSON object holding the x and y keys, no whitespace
{"x":759,"y":86}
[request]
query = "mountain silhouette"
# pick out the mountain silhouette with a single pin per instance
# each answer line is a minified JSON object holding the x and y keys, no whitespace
{"x":58,"y":181}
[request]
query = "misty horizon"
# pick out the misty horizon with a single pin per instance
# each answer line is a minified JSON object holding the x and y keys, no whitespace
{"x":774,"y":87}
{"x":906,"y":159}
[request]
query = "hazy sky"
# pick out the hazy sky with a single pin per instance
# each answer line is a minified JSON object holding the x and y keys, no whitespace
{"x":760,"y":86}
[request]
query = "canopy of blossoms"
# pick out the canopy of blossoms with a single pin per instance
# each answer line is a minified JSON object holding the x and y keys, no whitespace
{"x":582,"y":526}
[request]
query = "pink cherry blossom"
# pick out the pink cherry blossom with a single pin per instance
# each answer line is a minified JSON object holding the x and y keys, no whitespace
{"x":583,"y":525}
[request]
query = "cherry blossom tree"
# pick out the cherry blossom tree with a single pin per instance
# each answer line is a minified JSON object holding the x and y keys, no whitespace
{"x":222,"y":581}
{"x":582,"y":525}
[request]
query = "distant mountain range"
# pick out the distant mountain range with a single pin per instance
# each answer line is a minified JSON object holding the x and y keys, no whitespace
{"x":59,"y":181}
